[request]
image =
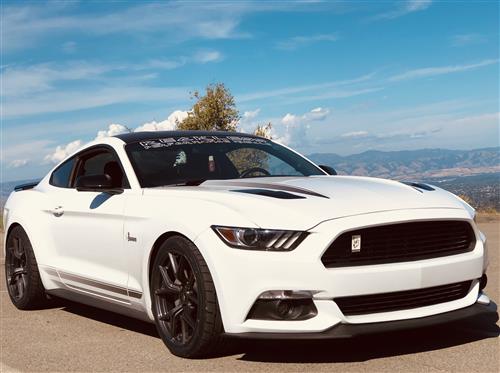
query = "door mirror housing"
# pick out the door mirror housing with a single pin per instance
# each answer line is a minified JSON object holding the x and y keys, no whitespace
{"x":329,"y":170}
{"x":97,"y":183}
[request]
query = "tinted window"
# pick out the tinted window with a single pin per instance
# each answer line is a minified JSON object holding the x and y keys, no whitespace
{"x":247,"y":158}
{"x":188,"y":158}
{"x":60,"y":177}
{"x":94,"y":165}
{"x":102,"y":162}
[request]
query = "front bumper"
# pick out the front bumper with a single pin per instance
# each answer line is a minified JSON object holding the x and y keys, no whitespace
{"x":485,"y":313}
{"x":240,"y":276}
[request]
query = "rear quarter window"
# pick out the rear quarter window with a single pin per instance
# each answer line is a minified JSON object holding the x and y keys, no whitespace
{"x":61,"y":176}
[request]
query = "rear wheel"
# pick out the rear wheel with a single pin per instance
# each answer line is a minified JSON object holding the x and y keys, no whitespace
{"x":24,"y":285}
{"x":184,"y":301}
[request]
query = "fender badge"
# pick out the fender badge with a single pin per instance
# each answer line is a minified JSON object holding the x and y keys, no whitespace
{"x":130,"y":238}
{"x":356,"y":244}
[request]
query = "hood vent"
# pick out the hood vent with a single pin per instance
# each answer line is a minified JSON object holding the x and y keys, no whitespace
{"x":420,"y":186}
{"x":269,"y":193}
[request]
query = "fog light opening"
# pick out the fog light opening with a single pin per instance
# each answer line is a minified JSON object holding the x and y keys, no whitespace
{"x":284,"y":308}
{"x":283,"y":305}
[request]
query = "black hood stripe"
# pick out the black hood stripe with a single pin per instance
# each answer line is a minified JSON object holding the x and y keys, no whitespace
{"x":285,"y":188}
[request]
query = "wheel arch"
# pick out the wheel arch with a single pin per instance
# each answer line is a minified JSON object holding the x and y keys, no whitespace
{"x":12,"y":226}
{"x":7,"y":233}
{"x":148,"y":266}
{"x":156,"y":248}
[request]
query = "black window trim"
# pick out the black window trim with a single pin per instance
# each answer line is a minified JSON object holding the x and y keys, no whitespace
{"x":78,"y":158}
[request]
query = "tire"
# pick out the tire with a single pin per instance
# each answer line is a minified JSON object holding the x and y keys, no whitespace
{"x":184,"y":301}
{"x":22,"y":277}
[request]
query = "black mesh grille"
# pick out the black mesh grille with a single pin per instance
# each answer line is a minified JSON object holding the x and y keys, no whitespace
{"x":401,"y":243}
{"x":402,"y":300}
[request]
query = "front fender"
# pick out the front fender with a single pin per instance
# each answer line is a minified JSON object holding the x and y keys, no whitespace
{"x":150,"y":217}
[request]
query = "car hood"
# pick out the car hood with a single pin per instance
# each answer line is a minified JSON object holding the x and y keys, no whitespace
{"x":300,"y":202}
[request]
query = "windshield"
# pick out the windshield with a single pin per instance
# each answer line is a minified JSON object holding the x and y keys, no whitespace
{"x":185,"y":159}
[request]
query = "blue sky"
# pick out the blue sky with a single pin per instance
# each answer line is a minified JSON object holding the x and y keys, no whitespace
{"x":340,"y":77}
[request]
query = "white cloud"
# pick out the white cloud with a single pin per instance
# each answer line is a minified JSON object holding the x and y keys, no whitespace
{"x":480,"y":119}
{"x":330,"y":90}
{"x":249,"y":115}
{"x":29,"y":150}
{"x":21,"y":80}
{"x":404,"y":8}
{"x":284,"y":139}
{"x":301,"y":41}
{"x":318,"y":114}
{"x":78,"y":99}
{"x":434,"y":71}
{"x":113,"y":130}
{"x":208,"y":56}
{"x":168,"y":124}
{"x":18,"y":81}
{"x":354,"y":134}
{"x":62,"y":151}
{"x":43,"y":88}
{"x":25,"y":23}
{"x":289,"y":119}
{"x":294,"y":129}
{"x":163,"y":64}
{"x":416,"y":5}
{"x":16,"y":163}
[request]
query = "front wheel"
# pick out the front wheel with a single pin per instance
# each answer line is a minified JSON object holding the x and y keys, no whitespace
{"x":184,"y":300}
{"x":24,"y":285}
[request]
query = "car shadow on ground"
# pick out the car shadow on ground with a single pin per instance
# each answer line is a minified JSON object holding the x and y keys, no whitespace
{"x":107,"y":317}
{"x":357,"y":349}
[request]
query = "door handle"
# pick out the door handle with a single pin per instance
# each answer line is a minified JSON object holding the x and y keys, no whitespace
{"x":58,"y":211}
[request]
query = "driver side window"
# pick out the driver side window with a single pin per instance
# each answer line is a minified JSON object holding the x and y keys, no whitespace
{"x":99,"y":162}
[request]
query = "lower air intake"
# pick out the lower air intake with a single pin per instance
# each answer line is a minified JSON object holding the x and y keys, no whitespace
{"x":402,"y":300}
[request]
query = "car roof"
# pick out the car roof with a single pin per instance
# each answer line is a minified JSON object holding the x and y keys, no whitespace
{"x":132,"y":137}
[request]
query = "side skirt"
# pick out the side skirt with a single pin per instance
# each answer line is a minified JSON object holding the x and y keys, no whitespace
{"x":99,"y":302}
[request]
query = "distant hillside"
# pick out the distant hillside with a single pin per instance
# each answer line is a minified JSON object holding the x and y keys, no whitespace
{"x":482,"y":191}
{"x":424,"y":163}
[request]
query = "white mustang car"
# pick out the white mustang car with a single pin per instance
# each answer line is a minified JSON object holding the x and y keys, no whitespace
{"x":213,"y":234}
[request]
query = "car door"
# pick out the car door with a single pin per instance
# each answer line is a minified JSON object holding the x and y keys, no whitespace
{"x":87,"y":228}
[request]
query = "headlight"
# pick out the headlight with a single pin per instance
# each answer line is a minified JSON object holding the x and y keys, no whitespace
{"x":260,"y":239}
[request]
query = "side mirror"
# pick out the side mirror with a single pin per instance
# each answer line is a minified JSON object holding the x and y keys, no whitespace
{"x":329,"y":170}
{"x":97,"y":183}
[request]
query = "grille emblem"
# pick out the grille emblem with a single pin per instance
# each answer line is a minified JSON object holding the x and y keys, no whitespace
{"x":356,"y":243}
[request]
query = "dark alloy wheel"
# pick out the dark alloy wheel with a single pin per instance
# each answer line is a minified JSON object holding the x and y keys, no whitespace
{"x":24,"y":285}
{"x":177,"y":298}
{"x":184,"y":300}
{"x":15,"y":262}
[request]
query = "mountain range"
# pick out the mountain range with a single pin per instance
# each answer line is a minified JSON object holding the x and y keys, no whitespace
{"x":414,"y":164}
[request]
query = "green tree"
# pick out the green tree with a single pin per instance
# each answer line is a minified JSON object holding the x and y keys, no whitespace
{"x":214,"y":111}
